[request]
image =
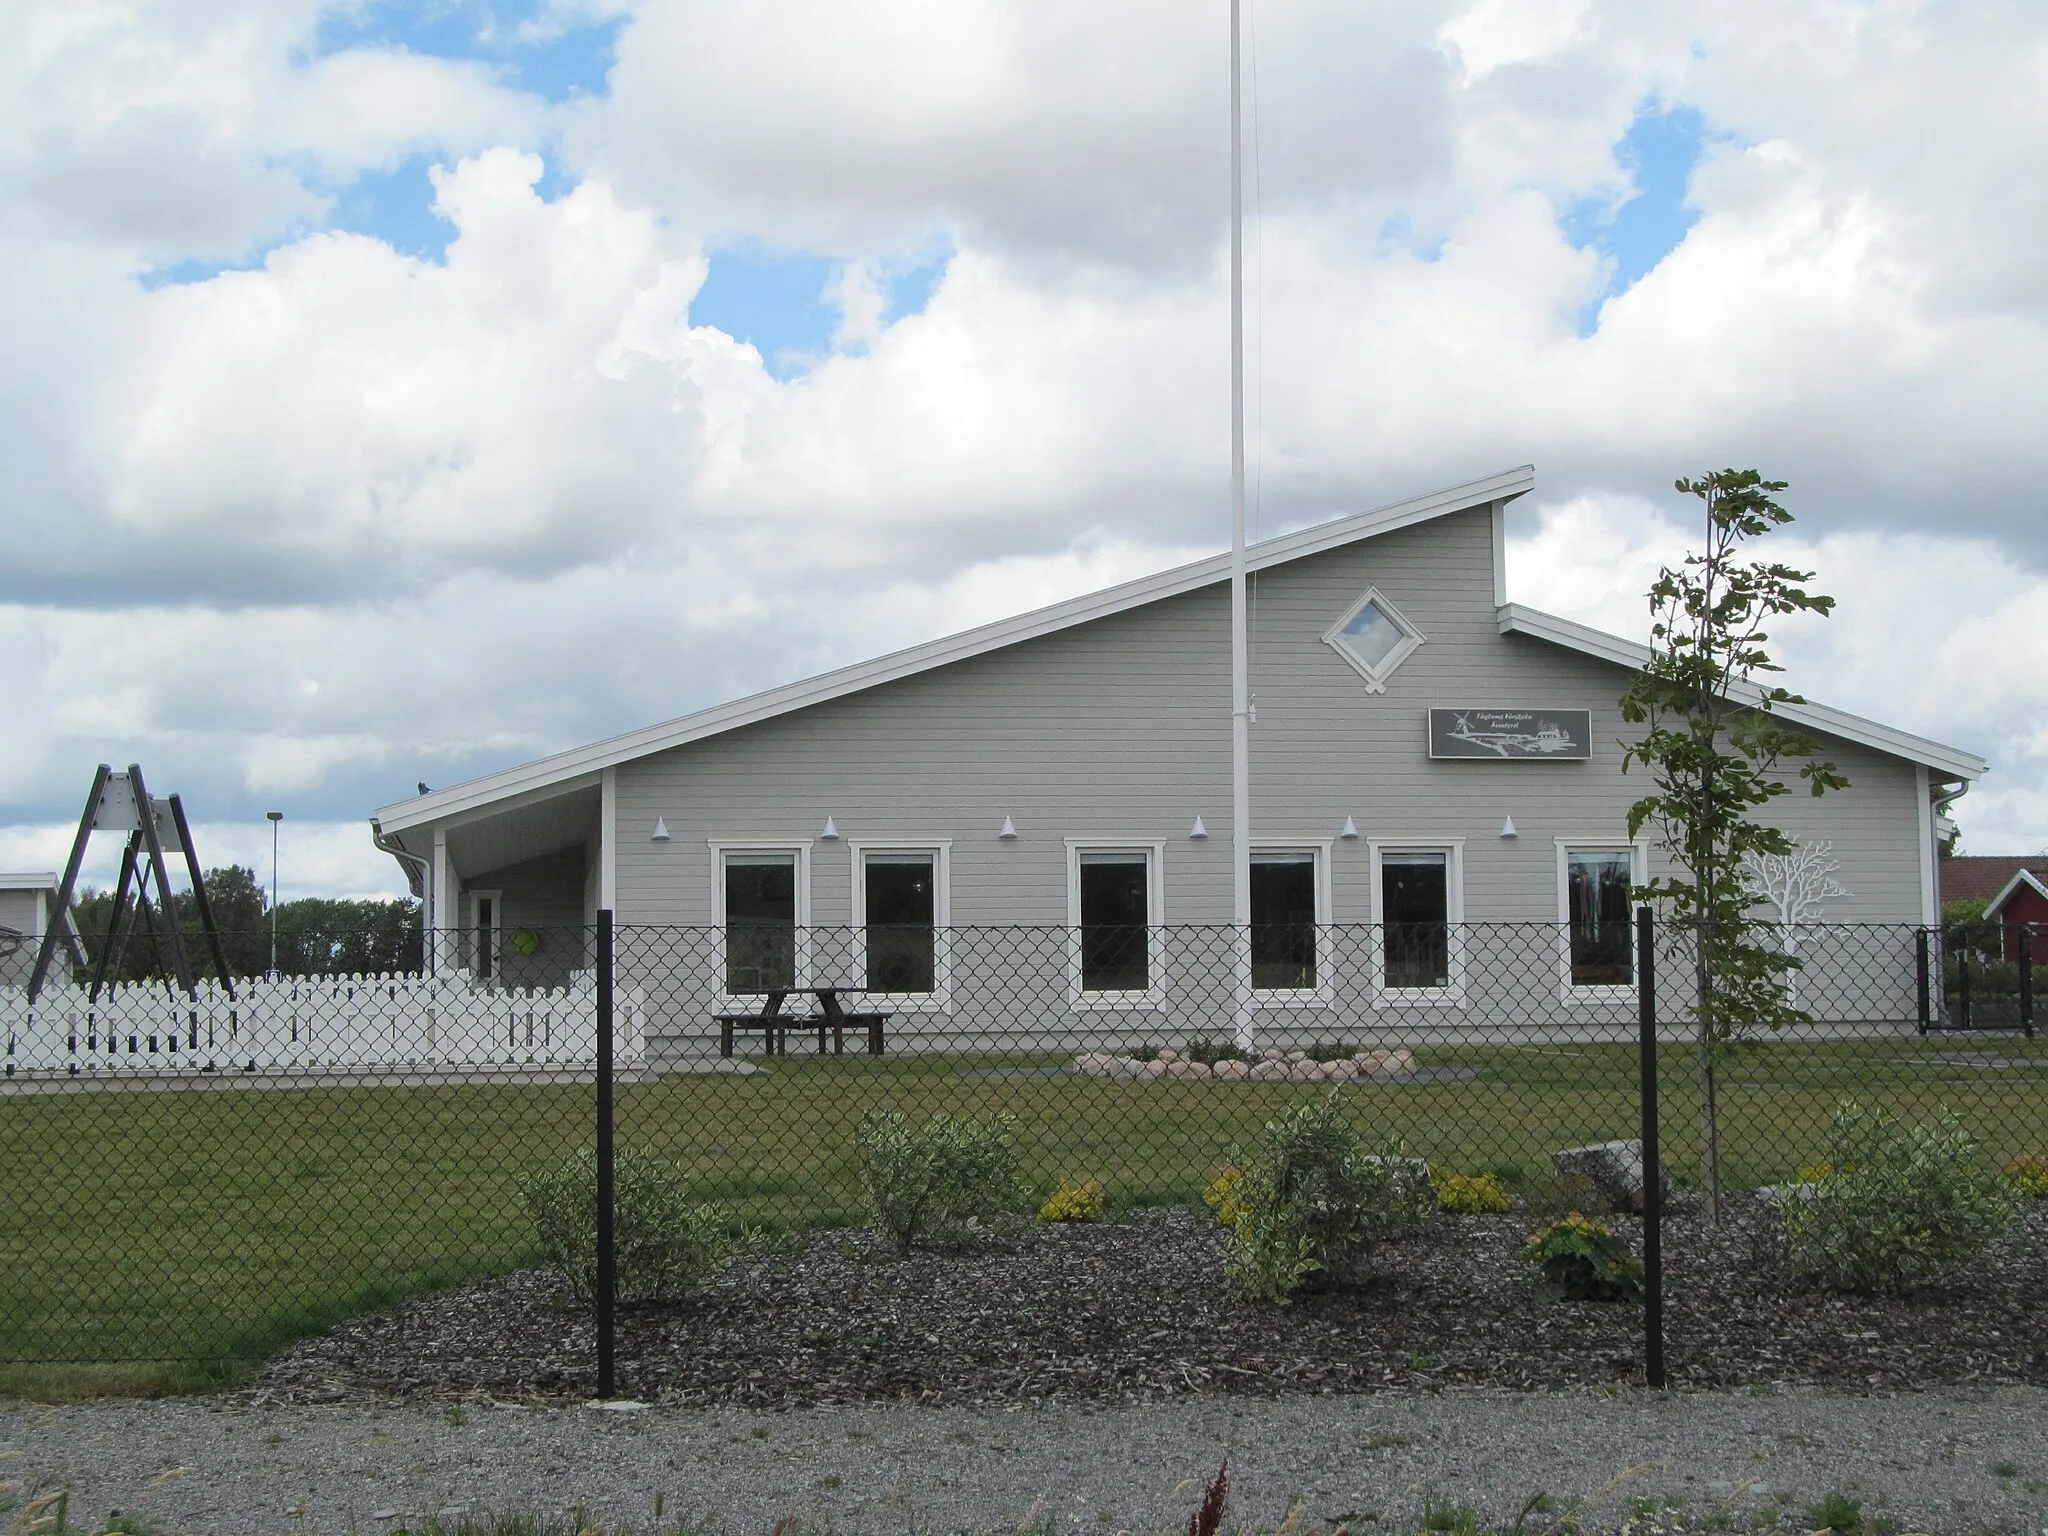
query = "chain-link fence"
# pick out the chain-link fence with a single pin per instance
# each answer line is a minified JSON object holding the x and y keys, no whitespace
{"x":204,"y":1177}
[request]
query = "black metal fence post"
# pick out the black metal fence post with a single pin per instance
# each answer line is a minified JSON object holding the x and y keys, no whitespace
{"x":2027,"y":979}
{"x":607,"y":1272}
{"x":1923,"y":971}
{"x":1653,"y":1168}
{"x":1963,"y":986}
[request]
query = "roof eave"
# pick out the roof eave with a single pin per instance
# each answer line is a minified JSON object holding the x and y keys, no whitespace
{"x":1520,"y":619}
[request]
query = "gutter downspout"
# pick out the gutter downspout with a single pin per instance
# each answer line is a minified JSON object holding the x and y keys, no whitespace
{"x":414,"y":866}
{"x":416,"y":879}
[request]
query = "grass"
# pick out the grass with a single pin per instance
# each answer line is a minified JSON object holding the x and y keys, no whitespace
{"x":161,"y":1240}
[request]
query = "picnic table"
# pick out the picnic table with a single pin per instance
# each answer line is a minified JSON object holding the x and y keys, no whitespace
{"x":775,"y":1025}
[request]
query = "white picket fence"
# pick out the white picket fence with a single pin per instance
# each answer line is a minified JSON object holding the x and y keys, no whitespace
{"x":320,"y":1023}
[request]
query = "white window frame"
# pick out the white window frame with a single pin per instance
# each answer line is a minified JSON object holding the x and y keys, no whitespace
{"x":1412,"y":640}
{"x":1154,"y":996}
{"x":940,"y":851}
{"x":1453,"y":994}
{"x":1322,"y":994}
{"x":1639,"y":865}
{"x":474,"y":932}
{"x":719,"y":849}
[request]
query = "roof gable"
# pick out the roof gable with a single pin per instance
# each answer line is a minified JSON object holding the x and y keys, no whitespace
{"x":2023,"y":879}
{"x":579,"y":763}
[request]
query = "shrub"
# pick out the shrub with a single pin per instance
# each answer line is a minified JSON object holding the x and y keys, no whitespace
{"x":1900,"y":1204}
{"x":1308,"y":1194}
{"x":1326,"y":1050}
{"x":1208,"y":1052}
{"x":663,"y":1242}
{"x":1479,"y":1194}
{"x":948,"y":1178}
{"x":1075,"y":1200}
{"x":1579,"y":1259}
{"x":2029,"y":1175}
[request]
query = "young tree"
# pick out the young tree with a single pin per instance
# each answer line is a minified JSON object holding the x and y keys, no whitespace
{"x":1713,"y":749}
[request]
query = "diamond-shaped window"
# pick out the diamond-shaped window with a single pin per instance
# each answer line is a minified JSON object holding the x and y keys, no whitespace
{"x":1374,"y":638}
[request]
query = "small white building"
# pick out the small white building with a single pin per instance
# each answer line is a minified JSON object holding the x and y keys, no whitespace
{"x":28,"y":906}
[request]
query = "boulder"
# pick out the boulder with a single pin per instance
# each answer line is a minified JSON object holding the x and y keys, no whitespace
{"x":1168,"y":1053}
{"x":1269,"y":1072}
{"x":1304,"y":1071}
{"x":1231,"y":1069}
{"x":1095,"y":1063}
{"x":1124,"y":1067}
{"x":1186,"y":1069}
{"x":1607,"y":1176}
{"x":1339,"y":1071}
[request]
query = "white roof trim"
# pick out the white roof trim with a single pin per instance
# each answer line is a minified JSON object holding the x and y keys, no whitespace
{"x":548,"y":771}
{"x":1520,"y":619}
{"x":2023,"y":877}
{"x":29,"y":882}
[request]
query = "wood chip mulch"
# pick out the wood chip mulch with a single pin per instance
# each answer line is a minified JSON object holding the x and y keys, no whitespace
{"x":1139,"y":1308}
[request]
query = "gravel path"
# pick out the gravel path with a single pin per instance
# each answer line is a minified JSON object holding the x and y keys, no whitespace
{"x":1959,"y":1461}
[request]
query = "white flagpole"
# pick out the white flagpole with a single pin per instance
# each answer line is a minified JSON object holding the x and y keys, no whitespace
{"x":1240,"y":663}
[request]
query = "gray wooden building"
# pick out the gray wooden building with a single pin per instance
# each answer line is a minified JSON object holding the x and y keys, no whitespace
{"x":1425,"y":755}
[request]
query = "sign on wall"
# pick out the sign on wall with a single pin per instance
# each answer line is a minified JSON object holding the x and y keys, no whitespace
{"x":1541,"y":735}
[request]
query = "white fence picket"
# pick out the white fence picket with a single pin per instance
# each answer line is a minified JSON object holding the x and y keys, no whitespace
{"x":316,"y":1023}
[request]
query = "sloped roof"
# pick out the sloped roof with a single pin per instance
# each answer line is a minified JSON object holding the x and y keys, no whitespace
{"x":1988,"y":877}
{"x":1520,"y":619}
{"x":581,"y":763}
{"x":2024,"y":880}
{"x":581,"y":766}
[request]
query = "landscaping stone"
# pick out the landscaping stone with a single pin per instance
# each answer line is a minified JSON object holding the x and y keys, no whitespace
{"x":1270,"y":1066}
{"x":1608,"y":1175}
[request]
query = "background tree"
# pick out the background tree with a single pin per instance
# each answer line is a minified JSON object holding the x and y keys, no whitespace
{"x":316,"y":936}
{"x":1713,"y":748}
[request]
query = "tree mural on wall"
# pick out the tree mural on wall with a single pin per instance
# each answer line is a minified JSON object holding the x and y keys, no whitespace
{"x":1797,"y":884}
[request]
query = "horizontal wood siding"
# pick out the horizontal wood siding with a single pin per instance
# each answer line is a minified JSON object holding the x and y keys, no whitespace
{"x":1120,"y":728}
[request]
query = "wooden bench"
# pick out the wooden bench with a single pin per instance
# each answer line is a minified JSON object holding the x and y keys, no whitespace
{"x":775,"y":1025}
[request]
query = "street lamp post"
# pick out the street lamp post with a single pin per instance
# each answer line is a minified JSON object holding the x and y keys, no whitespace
{"x":275,"y":818}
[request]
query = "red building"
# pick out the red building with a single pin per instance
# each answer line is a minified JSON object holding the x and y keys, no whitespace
{"x":2014,"y":892}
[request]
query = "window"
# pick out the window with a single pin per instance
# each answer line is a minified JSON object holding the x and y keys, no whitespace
{"x":1115,"y":941}
{"x":1418,"y":905}
{"x":762,"y":908}
{"x":901,"y":906}
{"x":1593,"y":901}
{"x":1374,"y":638}
{"x":1290,"y":903}
{"x":486,"y":914}
{"x":1114,"y":909}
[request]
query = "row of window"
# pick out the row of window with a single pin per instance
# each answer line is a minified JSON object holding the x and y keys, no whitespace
{"x":1115,"y":908}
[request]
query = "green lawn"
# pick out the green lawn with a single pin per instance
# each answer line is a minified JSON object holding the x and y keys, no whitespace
{"x":213,"y":1226}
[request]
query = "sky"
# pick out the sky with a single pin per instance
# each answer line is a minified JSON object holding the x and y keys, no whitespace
{"x":392,"y":392}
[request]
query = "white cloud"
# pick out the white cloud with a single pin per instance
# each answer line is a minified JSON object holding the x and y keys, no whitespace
{"x":374,"y":519}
